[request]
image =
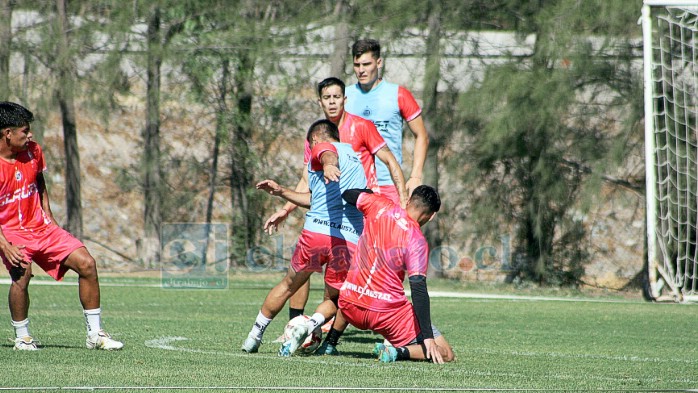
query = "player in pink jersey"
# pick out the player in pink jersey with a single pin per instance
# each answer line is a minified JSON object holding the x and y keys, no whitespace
{"x":365,"y":140}
{"x":373,"y":297}
{"x":29,"y":234}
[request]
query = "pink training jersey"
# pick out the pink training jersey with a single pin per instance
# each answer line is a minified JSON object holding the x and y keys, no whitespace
{"x":20,"y":204}
{"x":390,"y":245}
{"x":364,"y":138}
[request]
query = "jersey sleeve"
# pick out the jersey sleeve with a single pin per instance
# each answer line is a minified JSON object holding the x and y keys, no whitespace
{"x":409,"y":108}
{"x":39,"y":155}
{"x":417,"y":258}
{"x":306,"y":153}
{"x":316,"y":153}
{"x":371,"y":137}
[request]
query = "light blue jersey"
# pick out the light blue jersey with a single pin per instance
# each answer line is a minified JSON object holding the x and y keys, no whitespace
{"x":329,"y":214}
{"x":386,"y":105}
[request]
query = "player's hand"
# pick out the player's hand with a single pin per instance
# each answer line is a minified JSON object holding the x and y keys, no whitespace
{"x":432,"y":351}
{"x":331,"y":173}
{"x":411,"y":184}
{"x":272,"y":224}
{"x":14,"y":255}
{"x":270,"y":186}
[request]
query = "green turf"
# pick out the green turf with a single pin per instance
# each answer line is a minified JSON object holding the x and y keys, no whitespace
{"x":505,"y":344}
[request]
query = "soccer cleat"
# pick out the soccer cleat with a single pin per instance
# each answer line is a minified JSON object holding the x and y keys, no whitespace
{"x":251,"y":344}
{"x":281,"y":338}
{"x":295,"y":339}
{"x":327,"y":349}
{"x":25,"y":344}
{"x":387,"y":353}
{"x":379,"y":347}
{"x":102,"y":340}
{"x":327,"y":326}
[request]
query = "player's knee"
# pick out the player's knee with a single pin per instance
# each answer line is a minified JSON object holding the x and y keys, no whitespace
{"x":86,"y":267}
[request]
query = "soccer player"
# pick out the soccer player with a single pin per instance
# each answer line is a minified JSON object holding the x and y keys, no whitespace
{"x":372,"y":296}
{"x":364,"y":138}
{"x":386,"y":105}
{"x":29,"y":234}
{"x":329,"y":236}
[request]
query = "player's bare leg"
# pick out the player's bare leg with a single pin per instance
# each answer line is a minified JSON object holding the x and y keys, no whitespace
{"x":324,"y":311}
{"x":18,"y":297}
{"x":296,"y":305}
{"x":273,"y":303}
{"x":329,"y":344}
{"x":82,"y":263}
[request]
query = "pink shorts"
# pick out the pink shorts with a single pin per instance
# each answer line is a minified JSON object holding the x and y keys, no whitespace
{"x":399,"y":326}
{"x":47,"y":248}
{"x":314,"y":250}
{"x":390,"y":192}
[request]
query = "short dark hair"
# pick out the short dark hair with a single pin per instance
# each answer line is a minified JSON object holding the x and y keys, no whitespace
{"x":327,"y":82}
{"x":323,"y":127}
{"x":364,"y":46}
{"x":14,"y":115}
{"x":426,"y":198}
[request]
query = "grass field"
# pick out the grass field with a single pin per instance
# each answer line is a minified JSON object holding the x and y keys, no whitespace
{"x":187,"y":340}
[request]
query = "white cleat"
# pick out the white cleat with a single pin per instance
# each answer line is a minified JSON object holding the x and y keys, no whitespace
{"x":25,"y":344}
{"x":251,"y":344}
{"x":296,"y":337}
{"x":102,"y":340}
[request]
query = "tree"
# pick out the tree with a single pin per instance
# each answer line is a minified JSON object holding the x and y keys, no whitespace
{"x":5,"y":47}
{"x":535,"y":128}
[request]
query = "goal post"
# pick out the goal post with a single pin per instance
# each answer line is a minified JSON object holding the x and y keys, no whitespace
{"x":670,"y":50}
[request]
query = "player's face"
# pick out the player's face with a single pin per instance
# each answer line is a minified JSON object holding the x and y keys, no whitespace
{"x":19,"y":137}
{"x":366,"y":68}
{"x":332,"y":102}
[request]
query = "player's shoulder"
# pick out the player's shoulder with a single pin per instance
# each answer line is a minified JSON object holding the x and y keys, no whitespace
{"x":34,"y":148}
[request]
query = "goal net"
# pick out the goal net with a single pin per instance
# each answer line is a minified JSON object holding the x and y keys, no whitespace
{"x":670,"y":35}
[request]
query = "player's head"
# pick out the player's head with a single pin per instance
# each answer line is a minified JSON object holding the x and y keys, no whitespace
{"x":367,"y":62}
{"x":331,"y":98}
{"x":423,"y":204}
{"x":14,"y":115}
{"x":322,"y":131}
{"x":366,"y":45}
{"x":15,"y":125}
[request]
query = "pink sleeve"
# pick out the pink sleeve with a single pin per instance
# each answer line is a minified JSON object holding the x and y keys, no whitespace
{"x":409,"y":108}
{"x":315,"y":163}
{"x":372,"y":139}
{"x":417,"y":258}
{"x":306,"y":153}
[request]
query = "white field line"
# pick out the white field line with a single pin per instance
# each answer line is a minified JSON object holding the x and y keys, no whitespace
{"x":434,"y":294}
{"x":327,"y":388}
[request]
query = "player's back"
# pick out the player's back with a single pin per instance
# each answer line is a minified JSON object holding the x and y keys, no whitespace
{"x":390,"y":245}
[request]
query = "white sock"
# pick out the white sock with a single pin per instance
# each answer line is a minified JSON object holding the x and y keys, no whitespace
{"x":93,"y":320}
{"x":260,"y":325}
{"x":316,"y":320}
{"x":21,"y":328}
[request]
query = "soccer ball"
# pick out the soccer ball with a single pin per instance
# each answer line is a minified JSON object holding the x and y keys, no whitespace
{"x":312,"y":342}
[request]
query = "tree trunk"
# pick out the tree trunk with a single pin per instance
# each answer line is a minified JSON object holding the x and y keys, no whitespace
{"x":5,"y":48}
{"x":151,"y":145}
{"x":66,"y":101}
{"x":338,"y":60}
{"x":432,"y":74}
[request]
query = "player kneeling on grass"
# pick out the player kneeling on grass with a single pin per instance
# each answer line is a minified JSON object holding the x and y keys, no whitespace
{"x":372,"y":296}
{"x":30,"y":235}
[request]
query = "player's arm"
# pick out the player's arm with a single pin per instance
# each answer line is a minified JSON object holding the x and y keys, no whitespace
{"x":421,"y":143}
{"x":388,"y":158}
{"x":273,"y":188}
{"x":422,"y":310}
{"x":272,"y":224}
{"x":330,"y":166}
{"x":43,"y":196}
{"x":352,"y":195}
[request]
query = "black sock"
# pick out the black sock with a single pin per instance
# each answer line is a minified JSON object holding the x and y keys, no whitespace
{"x":403,"y":353}
{"x":294,"y":312}
{"x":333,"y":336}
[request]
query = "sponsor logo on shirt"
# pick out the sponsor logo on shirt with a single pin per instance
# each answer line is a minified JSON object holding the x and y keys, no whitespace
{"x":345,"y":228}
{"x":363,"y":291}
{"x":22,"y":193}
